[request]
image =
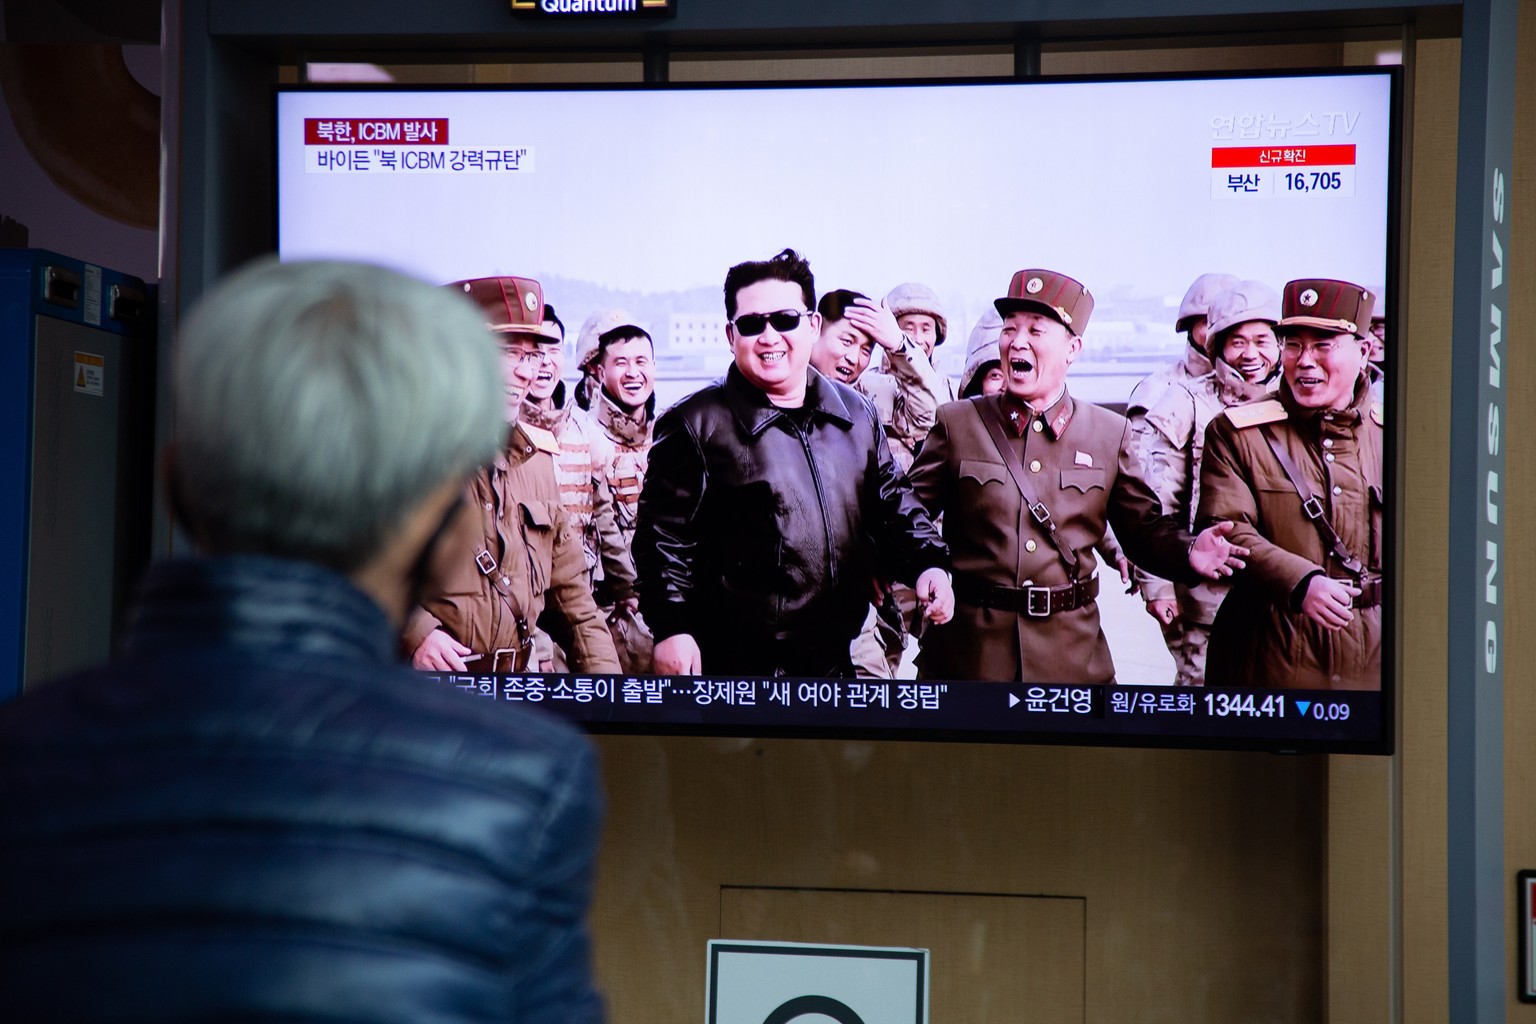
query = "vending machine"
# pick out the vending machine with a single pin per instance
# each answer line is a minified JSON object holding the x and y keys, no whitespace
{"x":76,"y":459}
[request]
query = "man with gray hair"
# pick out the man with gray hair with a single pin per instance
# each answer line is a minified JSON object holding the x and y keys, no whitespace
{"x":256,"y":812}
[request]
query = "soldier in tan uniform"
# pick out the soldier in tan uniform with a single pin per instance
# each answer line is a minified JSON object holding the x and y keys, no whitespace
{"x":499,"y":568}
{"x":582,"y":467}
{"x":853,"y":327}
{"x":618,"y":359}
{"x":1170,"y":439}
{"x":1193,"y":322}
{"x":1300,"y":476}
{"x":907,"y":387}
{"x":1027,"y":482}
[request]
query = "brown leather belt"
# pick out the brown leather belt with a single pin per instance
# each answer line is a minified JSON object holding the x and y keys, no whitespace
{"x":1036,"y":602}
{"x":512,"y":660}
{"x":1370,"y":592}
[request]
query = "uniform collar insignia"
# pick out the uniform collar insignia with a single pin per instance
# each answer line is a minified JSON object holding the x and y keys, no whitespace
{"x":1059,"y":415}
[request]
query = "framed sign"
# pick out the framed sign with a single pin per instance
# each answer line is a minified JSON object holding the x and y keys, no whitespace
{"x":790,"y":982}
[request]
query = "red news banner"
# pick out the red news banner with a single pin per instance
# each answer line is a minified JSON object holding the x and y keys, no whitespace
{"x":1282,"y":171}
{"x":375,"y":131}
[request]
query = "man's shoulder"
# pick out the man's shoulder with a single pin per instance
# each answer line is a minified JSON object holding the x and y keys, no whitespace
{"x":347,"y":711}
{"x":709,"y":400}
{"x":1096,"y":419}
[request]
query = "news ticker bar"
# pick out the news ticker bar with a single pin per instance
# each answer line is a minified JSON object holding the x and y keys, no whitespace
{"x":739,"y":702}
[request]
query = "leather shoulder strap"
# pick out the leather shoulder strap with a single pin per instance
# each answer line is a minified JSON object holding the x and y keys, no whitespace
{"x":990,"y":413}
{"x":1312,"y":506}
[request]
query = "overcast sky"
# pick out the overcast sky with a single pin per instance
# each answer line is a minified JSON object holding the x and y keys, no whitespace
{"x":955,"y":186}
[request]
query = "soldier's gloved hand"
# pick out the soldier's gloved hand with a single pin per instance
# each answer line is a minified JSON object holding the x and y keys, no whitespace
{"x":936,"y":596}
{"x":678,"y":655}
{"x":1163,"y":611}
{"x":876,"y":321}
{"x":440,"y":652}
{"x":1213,"y":556}
{"x":1328,"y":602}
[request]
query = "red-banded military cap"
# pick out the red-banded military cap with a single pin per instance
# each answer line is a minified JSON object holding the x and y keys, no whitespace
{"x":1335,"y":306}
{"x":512,"y":305}
{"x":1055,"y":295}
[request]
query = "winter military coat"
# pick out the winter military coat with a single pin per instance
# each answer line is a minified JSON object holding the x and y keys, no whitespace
{"x":1261,"y":637}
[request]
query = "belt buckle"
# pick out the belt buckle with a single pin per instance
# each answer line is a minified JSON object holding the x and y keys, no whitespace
{"x":511,"y":654}
{"x":485,"y":561}
{"x":1312,"y":507}
{"x":1040,"y":608}
{"x":1040,"y":512}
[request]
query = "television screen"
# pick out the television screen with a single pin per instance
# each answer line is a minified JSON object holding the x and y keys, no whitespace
{"x":1133,"y":230}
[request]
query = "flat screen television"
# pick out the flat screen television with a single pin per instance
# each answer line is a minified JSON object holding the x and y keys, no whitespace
{"x":641,"y":198}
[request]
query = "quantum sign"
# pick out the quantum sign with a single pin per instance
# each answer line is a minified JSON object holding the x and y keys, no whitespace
{"x":596,"y":8}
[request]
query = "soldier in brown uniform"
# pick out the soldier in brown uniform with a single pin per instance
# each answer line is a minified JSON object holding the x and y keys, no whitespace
{"x":1027,"y":482}
{"x":501,"y":566}
{"x":1300,"y":476}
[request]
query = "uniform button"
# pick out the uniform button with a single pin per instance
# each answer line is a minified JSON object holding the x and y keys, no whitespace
{"x":487,"y":506}
{"x":1337,"y":489}
{"x":1030,"y":545}
{"x":1328,"y":457}
{"x":505,"y":580}
{"x":1039,"y":426}
{"x":528,"y":450}
{"x":1034,"y":466}
{"x":1327,"y":442}
{"x":1335,"y":678}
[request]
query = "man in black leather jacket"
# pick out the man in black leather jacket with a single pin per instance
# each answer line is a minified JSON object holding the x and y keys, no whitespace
{"x":256,"y":813}
{"x":772,"y":503}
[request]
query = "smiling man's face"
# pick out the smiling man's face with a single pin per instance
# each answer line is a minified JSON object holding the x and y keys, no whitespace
{"x":551,"y":362}
{"x":771,"y":361}
{"x":1036,"y":351}
{"x":628,"y":371}
{"x":842,"y":351}
{"x":1321,"y":368}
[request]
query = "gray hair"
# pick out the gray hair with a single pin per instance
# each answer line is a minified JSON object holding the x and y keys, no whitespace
{"x":318,"y":403}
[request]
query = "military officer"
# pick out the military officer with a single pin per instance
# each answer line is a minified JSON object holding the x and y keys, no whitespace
{"x":1300,"y":476}
{"x":1027,"y":482}
{"x":500,"y":567}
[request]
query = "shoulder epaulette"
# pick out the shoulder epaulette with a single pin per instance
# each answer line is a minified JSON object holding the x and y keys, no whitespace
{"x":1256,"y":413}
{"x":1379,"y":414}
{"x":542,"y":439}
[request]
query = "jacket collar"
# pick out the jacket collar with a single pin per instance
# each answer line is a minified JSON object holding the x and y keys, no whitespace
{"x":754,"y":412}
{"x":552,"y":419}
{"x":634,"y":429}
{"x":1054,"y":420}
{"x":1235,"y":389}
{"x":256,"y":603}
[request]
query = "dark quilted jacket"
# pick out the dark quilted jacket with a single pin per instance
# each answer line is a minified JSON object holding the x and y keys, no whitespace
{"x":256,"y":815}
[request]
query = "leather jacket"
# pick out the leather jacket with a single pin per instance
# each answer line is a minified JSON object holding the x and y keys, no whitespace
{"x":255,"y":813}
{"x":762,"y":530}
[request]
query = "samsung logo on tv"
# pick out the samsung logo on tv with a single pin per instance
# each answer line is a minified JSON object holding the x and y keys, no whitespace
{"x":597,"y":8}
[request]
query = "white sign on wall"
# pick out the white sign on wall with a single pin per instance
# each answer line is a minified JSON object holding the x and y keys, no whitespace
{"x":800,"y":983}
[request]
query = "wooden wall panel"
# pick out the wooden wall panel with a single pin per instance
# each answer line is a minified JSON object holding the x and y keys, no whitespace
{"x":992,"y":958}
{"x":1426,"y":439}
{"x":1201,"y":870}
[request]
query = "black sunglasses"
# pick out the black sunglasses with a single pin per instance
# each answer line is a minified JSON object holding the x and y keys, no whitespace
{"x":750,"y":325}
